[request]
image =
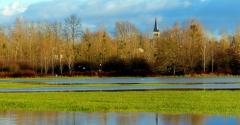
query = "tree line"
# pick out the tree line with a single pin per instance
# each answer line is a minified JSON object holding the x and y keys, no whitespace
{"x":65,"y":48}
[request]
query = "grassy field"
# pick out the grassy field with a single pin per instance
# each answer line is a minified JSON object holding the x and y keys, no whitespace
{"x":173,"y":102}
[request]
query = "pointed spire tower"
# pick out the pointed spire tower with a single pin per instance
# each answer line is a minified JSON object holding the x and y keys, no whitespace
{"x":156,"y":32}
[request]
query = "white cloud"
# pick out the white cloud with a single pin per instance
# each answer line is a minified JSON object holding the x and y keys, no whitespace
{"x":103,"y":7}
{"x":93,"y":11}
{"x":187,"y":3}
{"x":166,"y":4}
{"x":15,"y":8}
{"x":144,"y":6}
{"x":88,"y":25}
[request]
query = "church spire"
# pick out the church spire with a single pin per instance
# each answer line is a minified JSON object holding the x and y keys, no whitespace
{"x":156,"y":26}
{"x":156,"y":32}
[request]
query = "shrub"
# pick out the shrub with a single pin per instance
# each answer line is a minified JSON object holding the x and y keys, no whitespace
{"x":24,"y":73}
{"x":14,"y":68}
{"x":24,"y":66}
{"x":139,"y":66}
{"x":84,"y":66}
{"x":4,"y":74}
{"x":114,"y":64}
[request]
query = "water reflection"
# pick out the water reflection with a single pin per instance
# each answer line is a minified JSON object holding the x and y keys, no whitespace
{"x":70,"y":118}
{"x":130,"y":88}
{"x":125,"y":80}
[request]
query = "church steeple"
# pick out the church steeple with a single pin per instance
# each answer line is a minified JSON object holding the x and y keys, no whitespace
{"x":156,"y":26}
{"x":156,"y":32}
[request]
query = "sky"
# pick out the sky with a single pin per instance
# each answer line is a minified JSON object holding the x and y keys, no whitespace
{"x":216,"y":15}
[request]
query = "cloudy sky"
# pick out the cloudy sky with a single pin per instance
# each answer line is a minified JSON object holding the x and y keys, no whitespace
{"x":216,"y":15}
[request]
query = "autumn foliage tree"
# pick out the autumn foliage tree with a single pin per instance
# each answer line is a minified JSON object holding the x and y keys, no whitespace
{"x":65,"y":48}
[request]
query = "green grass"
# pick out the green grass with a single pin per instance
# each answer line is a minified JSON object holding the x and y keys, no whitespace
{"x":173,"y":102}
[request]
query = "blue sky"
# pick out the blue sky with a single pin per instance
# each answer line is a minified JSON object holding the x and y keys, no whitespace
{"x":216,"y":15}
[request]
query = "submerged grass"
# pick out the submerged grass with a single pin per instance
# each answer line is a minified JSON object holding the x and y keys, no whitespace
{"x":176,"y":102}
{"x":5,"y":85}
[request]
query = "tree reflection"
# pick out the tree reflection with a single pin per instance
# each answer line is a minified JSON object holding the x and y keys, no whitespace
{"x":75,"y":118}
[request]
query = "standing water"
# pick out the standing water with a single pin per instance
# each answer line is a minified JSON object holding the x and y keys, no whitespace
{"x":125,"y":80}
{"x":70,"y":118}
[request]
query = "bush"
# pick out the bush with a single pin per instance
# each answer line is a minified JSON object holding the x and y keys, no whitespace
{"x":14,"y":68}
{"x":25,"y":73}
{"x":4,"y":74}
{"x":84,"y":66}
{"x":24,"y":66}
{"x":114,"y":64}
{"x":139,"y":66}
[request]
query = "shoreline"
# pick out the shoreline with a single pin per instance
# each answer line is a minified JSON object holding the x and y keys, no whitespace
{"x":148,"y":76}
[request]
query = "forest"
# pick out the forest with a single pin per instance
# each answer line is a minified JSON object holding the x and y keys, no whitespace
{"x":65,"y":48}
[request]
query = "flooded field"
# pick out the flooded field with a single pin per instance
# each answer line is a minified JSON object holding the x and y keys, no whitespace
{"x":126,"y":88}
{"x":125,"y":80}
{"x":169,"y":84}
{"x":78,"y":118}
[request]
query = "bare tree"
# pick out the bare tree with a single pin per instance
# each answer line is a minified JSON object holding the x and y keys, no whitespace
{"x":73,"y":28}
{"x":125,"y":32}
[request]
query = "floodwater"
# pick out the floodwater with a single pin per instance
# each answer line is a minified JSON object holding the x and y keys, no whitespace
{"x":128,"y":88}
{"x":179,"y":84}
{"x":78,"y":118}
{"x":126,"y":80}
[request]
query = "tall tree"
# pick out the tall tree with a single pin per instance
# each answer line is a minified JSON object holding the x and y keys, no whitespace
{"x":126,"y":32}
{"x":73,"y":28}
